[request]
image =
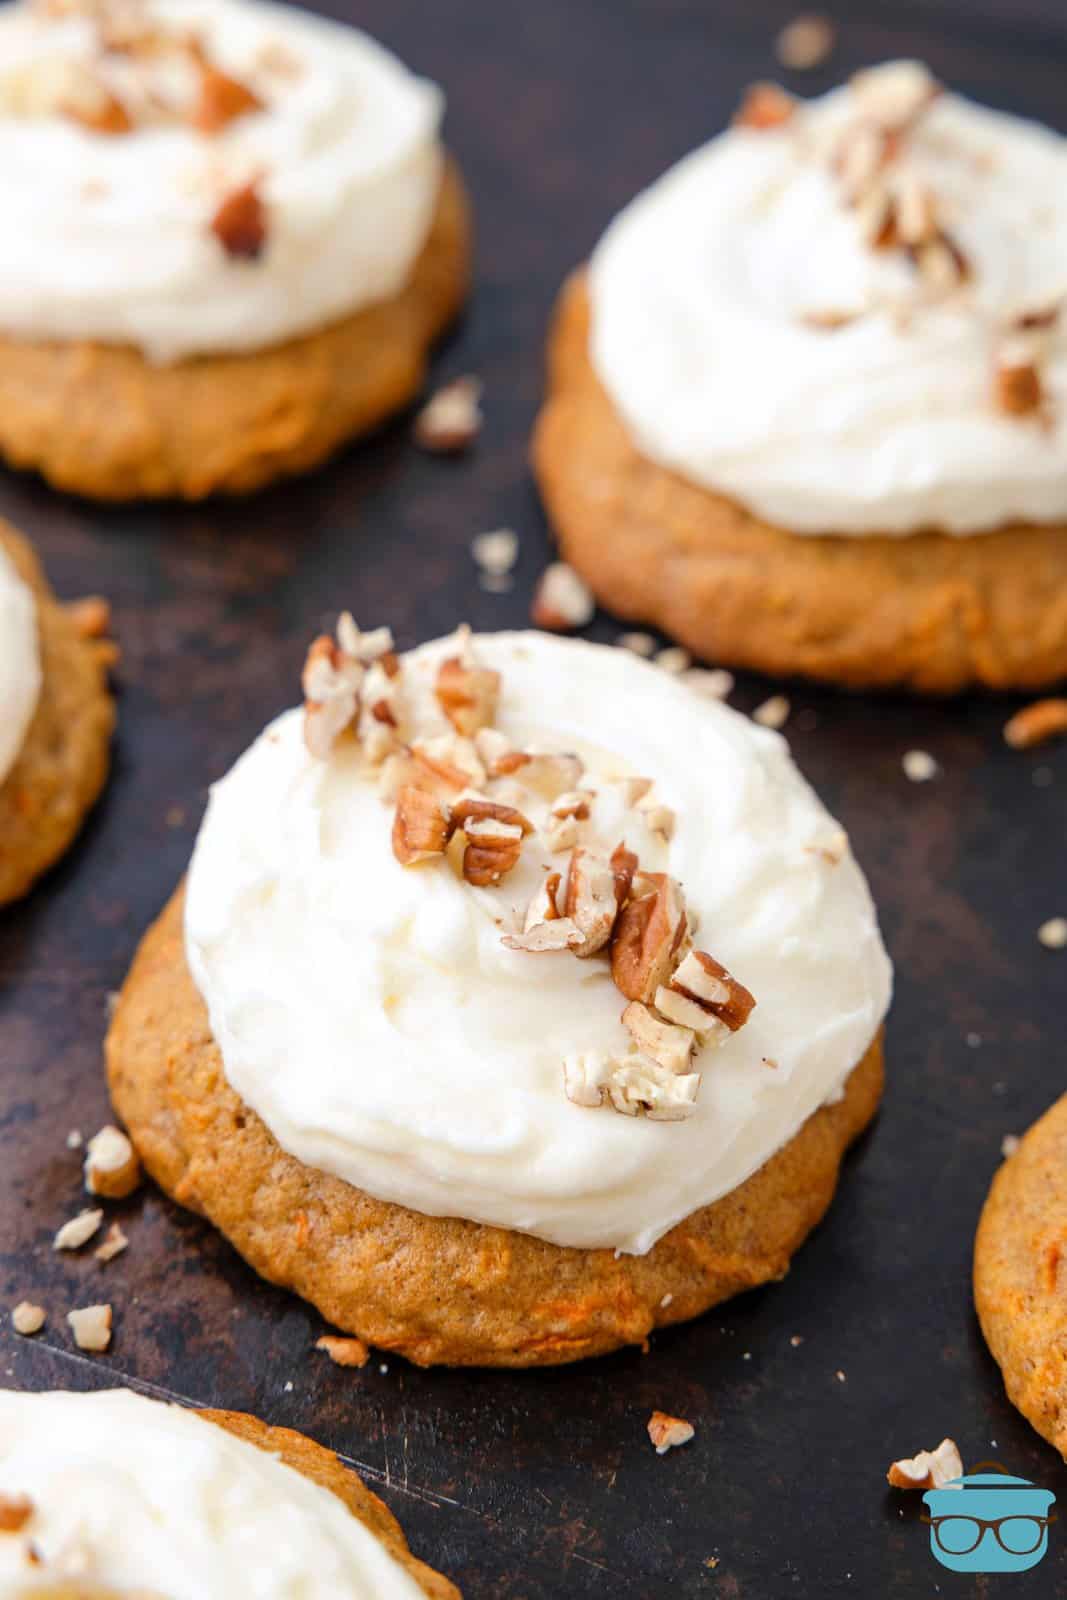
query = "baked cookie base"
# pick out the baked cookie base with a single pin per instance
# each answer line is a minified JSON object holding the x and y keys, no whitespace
{"x":1020,"y":1275}
{"x":296,"y":1450}
{"x":64,"y":760}
{"x":438,"y":1289}
{"x":929,"y":612}
{"x":99,"y":420}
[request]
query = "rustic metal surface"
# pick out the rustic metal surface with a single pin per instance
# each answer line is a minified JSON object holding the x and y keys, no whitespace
{"x":543,"y":1485}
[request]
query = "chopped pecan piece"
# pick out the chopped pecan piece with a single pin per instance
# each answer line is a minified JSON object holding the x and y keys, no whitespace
{"x":658,"y":817}
{"x":115,"y":1242}
{"x":894,"y":95}
{"x":240,"y":223}
{"x":703,"y":996}
{"x":78,"y":1231}
{"x":494,"y":835}
{"x":549,"y":775}
{"x":666,"y":1042}
{"x":451,"y":420}
{"x":1019,"y":390}
{"x":16,"y":1510}
{"x":1036,"y":723}
{"x":467,"y":694}
{"x":640,"y":1086}
{"x":222,"y":100}
{"x":930,"y":1469}
{"x":805,"y":42}
{"x":648,"y":936}
{"x":585,"y":1076}
{"x":624,"y":866}
{"x":543,"y":928}
{"x":112,"y":1167}
{"x":562,"y":600}
{"x":765,"y":105}
{"x":91,"y":1327}
{"x":589,"y":900}
{"x":331,"y":682}
{"x":27,"y":1318}
{"x":421,"y":828}
{"x":667,"y":1432}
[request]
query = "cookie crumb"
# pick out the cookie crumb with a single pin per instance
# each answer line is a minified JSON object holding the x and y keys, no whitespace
{"x":91,"y":1327}
{"x":929,"y":1469}
{"x":344,"y":1352}
{"x":112,"y":1166}
{"x":78,"y":1231}
{"x":806,"y":42}
{"x":115,"y":1242}
{"x":919,"y":766}
{"x":1036,"y":723}
{"x":451,"y":419}
{"x":639,"y":644}
{"x":667,"y":1432}
{"x":27,"y":1318}
{"x":1053,"y":933}
{"x":562,"y":601}
{"x":773,"y":713}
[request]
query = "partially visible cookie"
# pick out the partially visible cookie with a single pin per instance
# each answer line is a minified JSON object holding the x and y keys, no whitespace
{"x":188,"y":1510}
{"x":63,"y":760}
{"x":249,"y":241}
{"x":930,"y":612}
{"x":1020,"y":1275}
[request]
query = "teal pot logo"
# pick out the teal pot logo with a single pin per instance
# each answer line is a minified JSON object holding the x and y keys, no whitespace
{"x":988,"y":1521}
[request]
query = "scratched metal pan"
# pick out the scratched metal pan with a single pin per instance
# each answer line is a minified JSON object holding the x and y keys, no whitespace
{"x":541,"y":1485}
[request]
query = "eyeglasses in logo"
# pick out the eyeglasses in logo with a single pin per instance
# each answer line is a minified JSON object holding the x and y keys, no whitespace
{"x":989,"y":1521}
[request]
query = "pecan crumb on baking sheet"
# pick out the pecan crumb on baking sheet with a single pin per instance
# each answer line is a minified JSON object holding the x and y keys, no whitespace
{"x":667,"y":1432}
{"x":806,"y":42}
{"x":27,"y":1318}
{"x":451,"y":419}
{"x":929,"y":1469}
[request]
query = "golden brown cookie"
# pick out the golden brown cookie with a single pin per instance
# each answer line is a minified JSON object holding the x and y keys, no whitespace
{"x":438,"y":1289}
{"x":930,"y":612}
{"x":102,"y":421}
{"x":1020,"y":1275}
{"x":63,"y":763}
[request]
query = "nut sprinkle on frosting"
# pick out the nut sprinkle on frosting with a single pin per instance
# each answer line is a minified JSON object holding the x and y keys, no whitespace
{"x":453,"y":808}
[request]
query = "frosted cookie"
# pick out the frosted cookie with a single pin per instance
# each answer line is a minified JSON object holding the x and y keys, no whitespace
{"x":1020,"y":1275}
{"x":110,"y":1496}
{"x":520,"y":1001}
{"x":233,"y":236}
{"x":808,"y":404}
{"x":57,"y":718}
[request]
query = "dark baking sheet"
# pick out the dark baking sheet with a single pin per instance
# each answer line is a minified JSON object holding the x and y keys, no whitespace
{"x":543,"y":1484}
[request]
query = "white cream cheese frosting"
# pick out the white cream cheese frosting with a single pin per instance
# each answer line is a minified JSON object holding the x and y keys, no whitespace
{"x":373,"y":1018}
{"x":702,"y":287}
{"x":20,"y":663}
{"x":107,"y":237}
{"x":131,"y":1493}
